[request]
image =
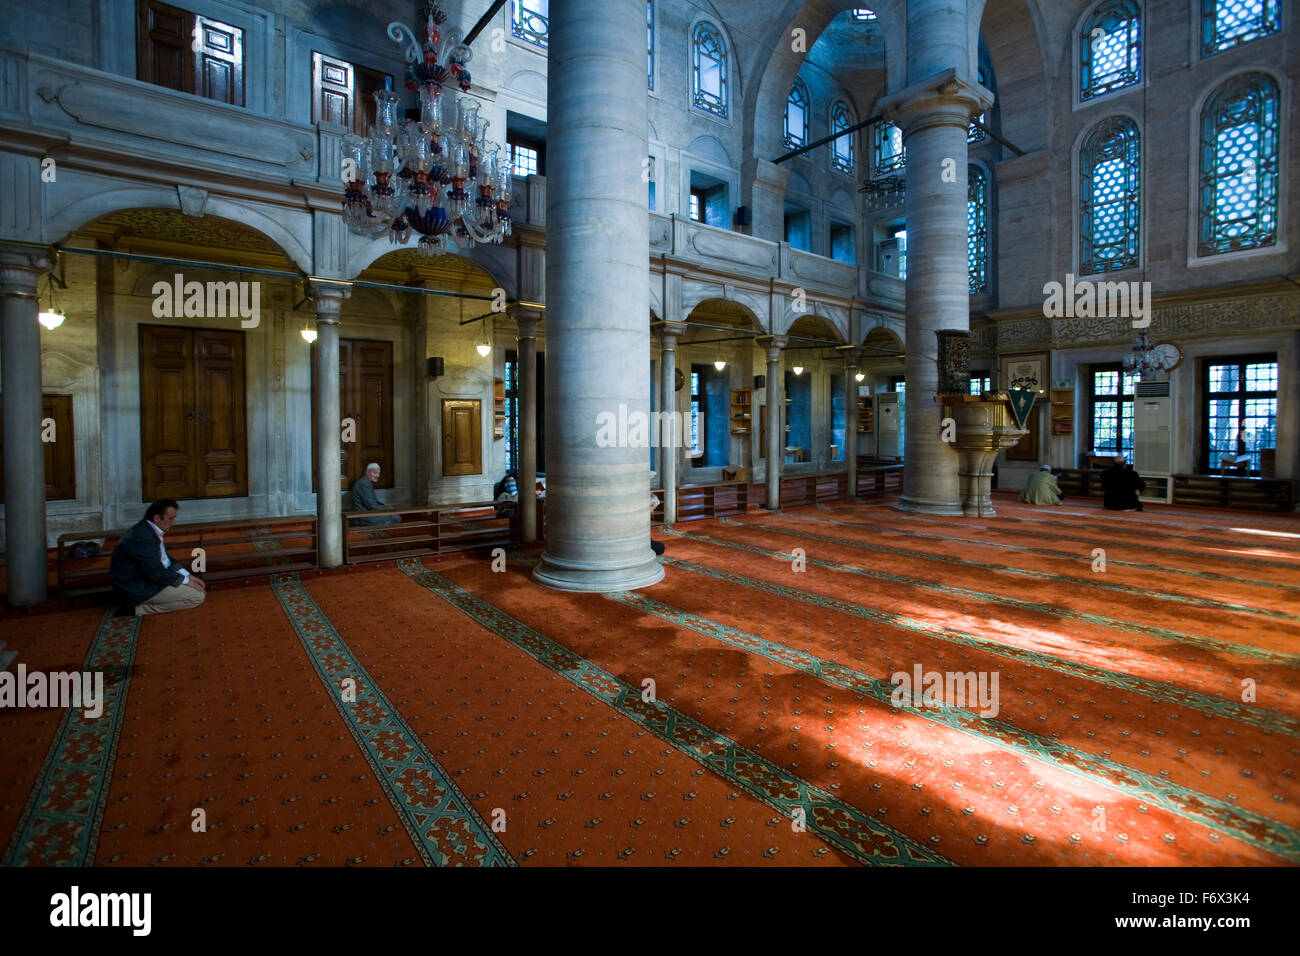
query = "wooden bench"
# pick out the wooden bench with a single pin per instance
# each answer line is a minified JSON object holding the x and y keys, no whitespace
{"x":431,"y":529}
{"x":229,"y":549}
{"x":705,"y":501}
{"x":1250,"y":494}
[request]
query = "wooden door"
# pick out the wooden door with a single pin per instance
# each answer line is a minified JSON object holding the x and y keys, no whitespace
{"x":163,"y":47}
{"x":60,"y":455}
{"x":219,"y":61}
{"x":365,"y":397}
{"x":332,"y":84}
{"x":193,"y":436}
{"x":462,"y":436}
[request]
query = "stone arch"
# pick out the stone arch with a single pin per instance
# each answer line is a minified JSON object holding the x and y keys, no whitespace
{"x":816,"y":316}
{"x":1013,"y":34}
{"x":887,"y":336}
{"x":494,"y":261}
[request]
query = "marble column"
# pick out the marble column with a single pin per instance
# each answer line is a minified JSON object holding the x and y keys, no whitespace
{"x":775,"y":418}
{"x":670,"y":447}
{"x":328,"y":297}
{"x":597,"y":300}
{"x":851,"y":425}
{"x":934,"y":112}
{"x":526,"y":322}
{"x":21,"y":269}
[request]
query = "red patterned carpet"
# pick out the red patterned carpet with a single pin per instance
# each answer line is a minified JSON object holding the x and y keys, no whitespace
{"x":740,"y":712}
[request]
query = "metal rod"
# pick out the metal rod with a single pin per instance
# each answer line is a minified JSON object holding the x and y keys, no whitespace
{"x":484,"y":21}
{"x":828,"y":139}
{"x":1007,"y":143}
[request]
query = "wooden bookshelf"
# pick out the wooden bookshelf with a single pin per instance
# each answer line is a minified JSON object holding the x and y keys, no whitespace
{"x":866,"y":415}
{"x":1062,"y":411}
{"x":498,"y":408}
{"x":742,"y":411}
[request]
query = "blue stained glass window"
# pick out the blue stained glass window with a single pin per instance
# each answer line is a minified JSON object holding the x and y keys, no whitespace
{"x":1110,"y":49}
{"x":1239,"y":166}
{"x":1229,"y":23}
{"x":890,"y":154}
{"x":1110,"y":198}
{"x":796,"y":115}
{"x":709,"y":70}
{"x":842,"y":148}
{"x":977,"y":229}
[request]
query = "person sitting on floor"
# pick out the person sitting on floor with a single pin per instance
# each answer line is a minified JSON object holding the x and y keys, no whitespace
{"x":1120,"y":485}
{"x":145,"y":578}
{"x":365,"y":499}
{"x":506,"y":495}
{"x":1042,"y":488}
{"x":656,"y":546}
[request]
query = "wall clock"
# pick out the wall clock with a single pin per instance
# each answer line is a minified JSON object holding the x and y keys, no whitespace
{"x":1169,"y":354}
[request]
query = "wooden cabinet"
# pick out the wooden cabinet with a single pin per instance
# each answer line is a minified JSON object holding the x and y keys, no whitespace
{"x":462,"y":436}
{"x":742,"y":411}
{"x":1062,"y":411}
{"x":866,"y":415}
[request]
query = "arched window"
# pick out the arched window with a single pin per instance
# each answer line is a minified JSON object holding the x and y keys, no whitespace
{"x":974,"y":134}
{"x":842,"y":157}
{"x":1228,"y":23}
{"x":977,"y":229}
{"x":890,"y":156}
{"x":796,"y":115}
{"x":1110,"y":49}
{"x":709,"y":70}
{"x":1239,"y":166}
{"x":1110,"y":198}
{"x":531,"y":21}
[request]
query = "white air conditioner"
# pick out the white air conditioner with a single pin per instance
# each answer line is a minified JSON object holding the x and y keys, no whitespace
{"x":1153,"y":413}
{"x":887,"y":425}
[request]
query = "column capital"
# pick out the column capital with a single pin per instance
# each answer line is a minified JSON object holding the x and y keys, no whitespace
{"x":773,"y":344}
{"x":943,"y":99}
{"x":526,"y":321}
{"x":671,"y":331}
{"x":21,"y":267}
{"x":328,"y":296}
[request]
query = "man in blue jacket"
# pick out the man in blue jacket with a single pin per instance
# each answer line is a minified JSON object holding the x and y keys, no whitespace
{"x":144,"y":575}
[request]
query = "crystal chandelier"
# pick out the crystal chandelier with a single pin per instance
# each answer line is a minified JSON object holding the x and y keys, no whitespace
{"x":1147,"y":358}
{"x":884,"y":192}
{"x":438,"y":175}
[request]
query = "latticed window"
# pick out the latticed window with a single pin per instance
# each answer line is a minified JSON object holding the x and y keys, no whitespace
{"x":1240,"y":411}
{"x":977,"y":229}
{"x":709,"y":70}
{"x":842,"y":157}
{"x":890,"y":155}
{"x":530,"y":21}
{"x":796,"y":115}
{"x":1229,"y":23}
{"x":650,"y":43}
{"x":974,"y":134}
{"x":1239,"y":166}
{"x":1110,"y":198}
{"x":1112,"y":395}
{"x":980,"y":382}
{"x":1110,"y":49}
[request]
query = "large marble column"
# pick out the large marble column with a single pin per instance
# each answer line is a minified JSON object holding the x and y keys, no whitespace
{"x":21,"y":268}
{"x":597,"y":300}
{"x":934,"y":113}
{"x":775,"y":450}
{"x":671,"y":440}
{"x":328,"y":297}
{"x":851,"y":424}
{"x":526,"y":323}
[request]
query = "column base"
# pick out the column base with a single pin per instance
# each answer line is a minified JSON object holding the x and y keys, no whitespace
{"x":929,"y":506}
{"x":573,"y":576}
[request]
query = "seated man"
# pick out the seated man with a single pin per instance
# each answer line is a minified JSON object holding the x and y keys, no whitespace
{"x":365,"y":499}
{"x":145,"y":578}
{"x":506,"y":495}
{"x":1042,"y":488}
{"x":1120,"y":485}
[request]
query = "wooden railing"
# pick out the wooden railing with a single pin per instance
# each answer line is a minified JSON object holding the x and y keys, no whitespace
{"x":431,"y":529}
{"x":706,"y":501}
{"x":229,"y":549}
{"x":1254,"y":494}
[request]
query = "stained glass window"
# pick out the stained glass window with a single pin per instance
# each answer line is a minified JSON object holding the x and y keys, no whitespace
{"x":842,"y":148}
{"x":1240,"y":411}
{"x":1110,"y":197}
{"x":1112,"y":396}
{"x":709,"y":70}
{"x":1228,"y":23}
{"x":1239,"y":166}
{"x":890,"y":155}
{"x":1110,"y":49}
{"x":796,"y":115}
{"x":530,"y":21}
{"x":977,"y":229}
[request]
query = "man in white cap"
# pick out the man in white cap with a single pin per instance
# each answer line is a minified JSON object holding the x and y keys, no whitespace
{"x":1042,"y":488}
{"x":365,"y":499}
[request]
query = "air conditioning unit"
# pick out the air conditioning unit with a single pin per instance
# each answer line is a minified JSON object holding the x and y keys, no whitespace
{"x":1153,"y":412}
{"x":887,"y":426}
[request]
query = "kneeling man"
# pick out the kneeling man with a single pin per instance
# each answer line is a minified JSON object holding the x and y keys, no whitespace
{"x":144,"y":575}
{"x":1042,"y":488}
